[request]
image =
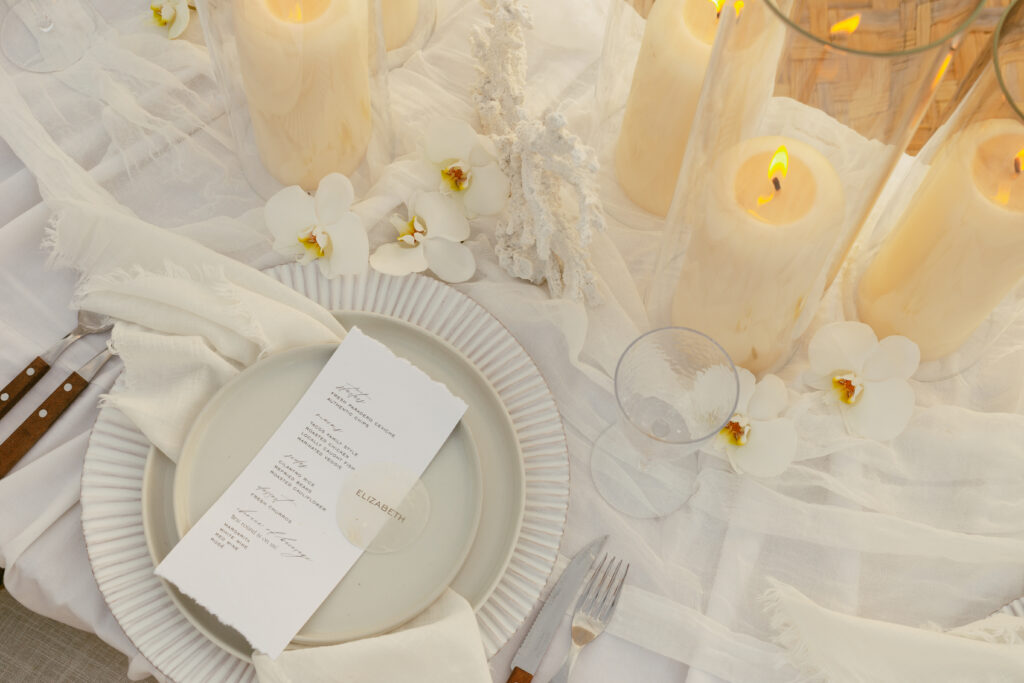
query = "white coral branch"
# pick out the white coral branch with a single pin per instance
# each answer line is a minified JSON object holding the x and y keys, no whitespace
{"x":554,"y":209}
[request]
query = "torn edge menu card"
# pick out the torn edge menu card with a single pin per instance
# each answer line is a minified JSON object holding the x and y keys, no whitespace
{"x":270,"y":550}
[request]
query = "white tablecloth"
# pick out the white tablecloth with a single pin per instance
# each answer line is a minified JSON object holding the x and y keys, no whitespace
{"x":927,"y":530}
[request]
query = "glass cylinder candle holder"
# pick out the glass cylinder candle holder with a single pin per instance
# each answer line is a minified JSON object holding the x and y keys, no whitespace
{"x":305,"y":85}
{"x":407,"y":26}
{"x":806,"y":107}
{"x":650,"y":75}
{"x":950,"y":248}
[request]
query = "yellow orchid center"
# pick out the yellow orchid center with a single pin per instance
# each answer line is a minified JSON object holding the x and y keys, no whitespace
{"x":158,"y":14}
{"x":314,"y":240}
{"x":736,"y":430}
{"x":457,"y":175}
{"x":848,"y":387}
{"x":413,"y":232}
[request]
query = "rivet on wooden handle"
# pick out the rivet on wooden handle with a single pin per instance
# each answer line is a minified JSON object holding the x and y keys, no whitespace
{"x":519,"y":676}
{"x":20,"y":385}
{"x":33,"y":428}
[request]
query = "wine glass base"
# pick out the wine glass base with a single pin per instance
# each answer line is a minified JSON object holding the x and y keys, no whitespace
{"x":636,"y":483}
{"x":46,"y":35}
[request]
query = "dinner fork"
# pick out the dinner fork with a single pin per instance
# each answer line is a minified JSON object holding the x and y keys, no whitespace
{"x":594,"y":610}
{"x":88,"y":323}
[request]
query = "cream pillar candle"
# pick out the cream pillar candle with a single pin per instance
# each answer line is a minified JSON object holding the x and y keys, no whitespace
{"x":958,"y":248}
{"x":759,"y":254}
{"x":399,"y":19}
{"x":305,"y":72}
{"x":663,"y":98}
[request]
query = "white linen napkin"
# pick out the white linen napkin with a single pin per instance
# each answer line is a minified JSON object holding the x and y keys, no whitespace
{"x":840,"y":647}
{"x":441,"y":645}
{"x":188,"y":320}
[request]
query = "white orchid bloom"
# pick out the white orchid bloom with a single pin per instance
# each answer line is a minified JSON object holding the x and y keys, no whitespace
{"x":429,"y":237}
{"x":867,"y":377}
{"x":319,"y":227}
{"x":467,"y":168}
{"x":756,"y":440}
{"x":172,"y":13}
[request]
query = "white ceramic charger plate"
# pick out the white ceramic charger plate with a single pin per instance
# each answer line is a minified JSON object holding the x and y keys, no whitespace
{"x":115,"y":461}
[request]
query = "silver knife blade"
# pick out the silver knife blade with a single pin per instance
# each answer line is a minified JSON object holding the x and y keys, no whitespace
{"x":550,"y":616}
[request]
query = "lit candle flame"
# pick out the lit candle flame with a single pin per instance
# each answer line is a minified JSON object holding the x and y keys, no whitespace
{"x":942,"y":70}
{"x":1018,"y":161}
{"x":718,"y":6}
{"x":778,"y":167}
{"x":846,"y":26}
{"x":739,"y":7}
{"x":296,"y":14}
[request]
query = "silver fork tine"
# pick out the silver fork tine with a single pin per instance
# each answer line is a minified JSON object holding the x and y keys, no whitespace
{"x":587,"y":598}
{"x":609,"y":591}
{"x":593,"y":610}
{"x":606,"y":614}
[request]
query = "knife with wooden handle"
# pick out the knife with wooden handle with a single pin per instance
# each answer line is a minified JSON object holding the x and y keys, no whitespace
{"x":535,"y":644}
{"x":35,"y":425}
{"x":20,"y":385}
{"x":88,"y":323}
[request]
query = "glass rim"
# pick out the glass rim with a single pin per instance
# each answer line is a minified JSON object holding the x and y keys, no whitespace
{"x":995,"y":58}
{"x":960,"y":27}
{"x":676,"y":328}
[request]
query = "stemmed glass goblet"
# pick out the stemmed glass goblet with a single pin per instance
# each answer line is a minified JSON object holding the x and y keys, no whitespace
{"x":676,"y":389}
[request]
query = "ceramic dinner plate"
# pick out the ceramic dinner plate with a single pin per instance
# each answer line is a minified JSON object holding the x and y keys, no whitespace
{"x":521,"y":453}
{"x":382,"y":590}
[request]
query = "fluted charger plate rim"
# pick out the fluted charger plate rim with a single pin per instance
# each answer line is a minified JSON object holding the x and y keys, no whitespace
{"x":116,"y":457}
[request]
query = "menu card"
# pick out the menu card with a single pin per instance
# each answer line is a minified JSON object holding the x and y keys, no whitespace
{"x":270,"y":550}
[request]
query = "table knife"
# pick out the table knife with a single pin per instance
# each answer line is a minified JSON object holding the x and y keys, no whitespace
{"x":33,"y":428}
{"x":528,"y":657}
{"x":88,"y":323}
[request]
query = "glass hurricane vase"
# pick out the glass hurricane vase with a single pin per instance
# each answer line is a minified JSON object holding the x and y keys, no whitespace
{"x":304,"y":82}
{"x":950,"y":248}
{"x":805,"y":109}
{"x":649,"y":80}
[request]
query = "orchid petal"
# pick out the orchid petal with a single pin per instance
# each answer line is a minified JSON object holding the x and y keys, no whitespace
{"x":883,"y":411}
{"x":769,"y":399}
{"x":484,"y":152}
{"x":747,"y":384}
{"x":488,"y":192}
{"x":840,"y":346}
{"x":302,"y":256}
{"x":349,"y":248}
{"x":770,"y":448}
{"x":391,"y":258}
{"x":450,"y":261}
{"x":816,"y":381}
{"x":449,"y":139}
{"x":180,"y":22}
{"x":334,"y":196}
{"x":288,"y":213}
{"x":894,"y":356}
{"x":442,"y":216}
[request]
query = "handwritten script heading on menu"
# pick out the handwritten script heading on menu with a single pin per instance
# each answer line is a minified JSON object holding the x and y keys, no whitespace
{"x":269,"y":551}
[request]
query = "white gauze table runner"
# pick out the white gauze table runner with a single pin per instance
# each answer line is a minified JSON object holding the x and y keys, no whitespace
{"x":925,"y":533}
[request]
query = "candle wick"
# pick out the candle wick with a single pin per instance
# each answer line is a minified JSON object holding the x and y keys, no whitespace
{"x":1016,"y":165}
{"x":718,"y":14}
{"x":776,"y":183}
